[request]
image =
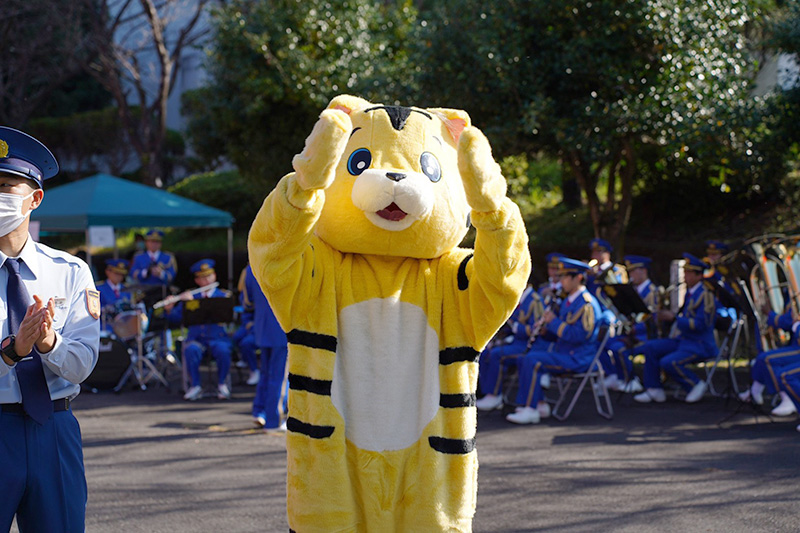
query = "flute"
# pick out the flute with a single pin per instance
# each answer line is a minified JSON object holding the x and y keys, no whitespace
{"x":178,"y":297}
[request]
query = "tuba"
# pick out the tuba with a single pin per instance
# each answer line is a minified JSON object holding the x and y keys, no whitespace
{"x":770,"y":285}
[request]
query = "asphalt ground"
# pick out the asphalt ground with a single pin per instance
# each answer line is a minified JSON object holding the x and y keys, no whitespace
{"x":155,"y":463}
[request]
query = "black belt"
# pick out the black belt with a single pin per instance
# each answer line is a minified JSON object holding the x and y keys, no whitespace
{"x":16,"y":408}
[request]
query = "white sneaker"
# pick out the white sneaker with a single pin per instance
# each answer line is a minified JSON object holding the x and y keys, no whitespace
{"x":255,"y":375}
{"x":490,"y":402}
{"x":634,"y":386}
{"x":259,"y":421}
{"x":745,"y":396}
{"x":526,"y":415}
{"x":614,"y":383}
{"x":281,"y":428}
{"x":697,"y":392}
{"x":544,"y":409}
{"x":786,"y":407}
{"x":241,"y":364}
{"x":194,"y":393}
{"x":544,"y":381}
{"x":223,"y":392}
{"x":651,"y":395}
{"x":757,"y":393}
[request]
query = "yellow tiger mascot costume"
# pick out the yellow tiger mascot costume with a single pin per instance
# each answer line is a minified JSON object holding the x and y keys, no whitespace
{"x":357,"y":252}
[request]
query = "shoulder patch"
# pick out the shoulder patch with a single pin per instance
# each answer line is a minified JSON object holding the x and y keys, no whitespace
{"x":93,"y":303}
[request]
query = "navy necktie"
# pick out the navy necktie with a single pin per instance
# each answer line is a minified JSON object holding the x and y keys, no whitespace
{"x":30,"y":374}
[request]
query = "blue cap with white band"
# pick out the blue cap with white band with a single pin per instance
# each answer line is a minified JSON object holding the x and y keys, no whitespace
{"x":23,"y":156}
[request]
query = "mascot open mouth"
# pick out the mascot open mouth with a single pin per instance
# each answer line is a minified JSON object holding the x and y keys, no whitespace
{"x":392,"y":212}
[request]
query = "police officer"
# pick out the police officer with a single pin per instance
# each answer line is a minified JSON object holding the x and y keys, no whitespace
{"x":50,"y":332}
{"x":154,"y":266}
{"x":211,"y":337}
{"x":694,"y":342}
{"x":576,"y":327}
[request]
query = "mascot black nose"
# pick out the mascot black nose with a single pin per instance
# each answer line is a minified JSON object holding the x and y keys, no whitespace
{"x":395,"y":176}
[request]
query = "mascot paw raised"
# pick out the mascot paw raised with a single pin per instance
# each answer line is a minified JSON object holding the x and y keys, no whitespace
{"x":358,"y":253}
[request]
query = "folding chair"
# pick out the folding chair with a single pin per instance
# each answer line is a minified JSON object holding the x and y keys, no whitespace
{"x":727,"y":351}
{"x":593,"y":375}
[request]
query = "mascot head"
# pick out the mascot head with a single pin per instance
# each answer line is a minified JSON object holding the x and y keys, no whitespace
{"x":397,"y":189}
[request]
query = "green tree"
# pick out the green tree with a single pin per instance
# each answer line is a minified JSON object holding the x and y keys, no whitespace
{"x":598,"y":84}
{"x":275,"y":65}
{"x":43,"y":46}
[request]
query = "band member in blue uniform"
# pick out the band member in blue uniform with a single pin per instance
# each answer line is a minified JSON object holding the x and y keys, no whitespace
{"x":112,"y":290}
{"x":576,"y":327}
{"x":617,"y":361}
{"x":718,"y":276}
{"x":694,"y":342}
{"x":768,"y":366}
{"x":50,"y":331}
{"x":244,"y":337}
{"x":603,"y":271}
{"x":790,"y":383}
{"x":154,"y":266}
{"x":498,"y":359}
{"x":270,"y":400}
{"x":206,"y":337}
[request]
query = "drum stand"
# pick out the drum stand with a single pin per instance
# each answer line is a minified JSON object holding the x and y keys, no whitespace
{"x":141,"y":368}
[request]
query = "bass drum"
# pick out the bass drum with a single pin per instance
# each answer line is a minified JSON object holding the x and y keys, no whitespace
{"x":113,"y":361}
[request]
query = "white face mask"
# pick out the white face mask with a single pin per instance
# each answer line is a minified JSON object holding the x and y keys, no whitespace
{"x":11,"y":215}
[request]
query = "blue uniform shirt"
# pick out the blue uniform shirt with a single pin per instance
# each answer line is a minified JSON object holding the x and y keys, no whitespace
{"x":695,"y":321}
{"x":51,"y":273}
{"x":268,"y":332}
{"x":140,"y":268}
{"x":577,"y":324}
{"x":110,"y":295}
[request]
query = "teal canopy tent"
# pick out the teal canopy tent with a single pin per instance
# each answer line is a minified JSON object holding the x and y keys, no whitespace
{"x":103,"y":200}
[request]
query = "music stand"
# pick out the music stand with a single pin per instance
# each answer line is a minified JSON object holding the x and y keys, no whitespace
{"x":626,"y":299}
{"x":204,"y":311}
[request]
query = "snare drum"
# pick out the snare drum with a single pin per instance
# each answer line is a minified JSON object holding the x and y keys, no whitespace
{"x":127,"y":324}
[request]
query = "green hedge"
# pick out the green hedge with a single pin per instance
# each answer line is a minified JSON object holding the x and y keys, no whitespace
{"x":226,"y":190}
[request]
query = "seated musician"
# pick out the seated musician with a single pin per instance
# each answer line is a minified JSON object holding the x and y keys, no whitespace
{"x":207,"y":337}
{"x":552,"y":287}
{"x":576,"y":327}
{"x":244,"y":336}
{"x":693,"y":343}
{"x":790,"y":384}
{"x":499,"y":358}
{"x":718,"y":275}
{"x":112,"y":290}
{"x":617,"y":362}
{"x":769,"y":365}
{"x":603,"y":271}
{"x":154,"y":266}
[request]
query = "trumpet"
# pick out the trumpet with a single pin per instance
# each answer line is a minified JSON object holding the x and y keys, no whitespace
{"x":178,"y":297}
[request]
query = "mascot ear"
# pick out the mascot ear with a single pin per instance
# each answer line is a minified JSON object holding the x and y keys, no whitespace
{"x":456,"y":120}
{"x":348,"y":104}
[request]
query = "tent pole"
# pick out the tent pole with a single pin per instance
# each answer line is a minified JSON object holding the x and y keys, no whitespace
{"x":88,"y":249}
{"x":230,"y":259}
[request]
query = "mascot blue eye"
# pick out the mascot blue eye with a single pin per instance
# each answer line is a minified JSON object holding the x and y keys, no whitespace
{"x":359,"y":161}
{"x":430,"y":166}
